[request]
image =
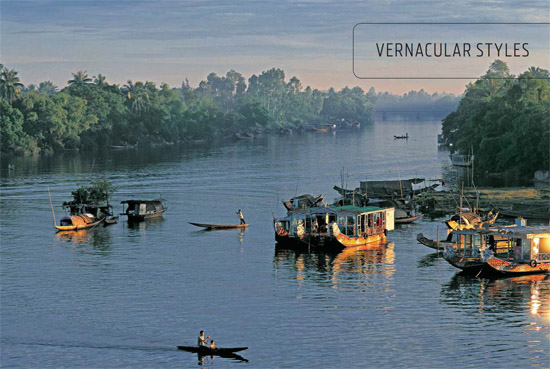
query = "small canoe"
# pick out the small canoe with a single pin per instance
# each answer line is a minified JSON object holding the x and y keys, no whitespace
{"x":110,"y":220}
{"x":219,"y":226}
{"x":208,"y":351}
{"x":408,"y":219}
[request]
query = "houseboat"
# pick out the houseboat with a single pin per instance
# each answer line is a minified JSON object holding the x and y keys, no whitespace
{"x":501,"y":251}
{"x":140,"y":210}
{"x":334,"y":226}
{"x":525,"y":250}
{"x":461,"y":160}
{"x":77,"y":222}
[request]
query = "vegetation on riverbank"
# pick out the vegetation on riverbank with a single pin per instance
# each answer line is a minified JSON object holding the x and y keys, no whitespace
{"x":90,"y":112}
{"x":504,"y":121}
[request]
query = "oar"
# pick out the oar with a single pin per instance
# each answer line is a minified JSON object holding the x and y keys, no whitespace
{"x":51,"y":205}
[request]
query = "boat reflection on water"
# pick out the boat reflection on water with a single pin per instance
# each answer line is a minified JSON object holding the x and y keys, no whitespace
{"x":146,"y":224}
{"x":349,"y":267}
{"x":75,"y":236}
{"x":99,"y":239}
{"x":526,"y":295}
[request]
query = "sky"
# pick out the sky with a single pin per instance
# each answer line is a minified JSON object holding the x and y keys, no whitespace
{"x":170,"y":40}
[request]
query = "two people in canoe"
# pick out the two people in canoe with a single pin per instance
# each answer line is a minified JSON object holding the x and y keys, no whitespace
{"x":203,"y":342}
{"x":240,"y":215}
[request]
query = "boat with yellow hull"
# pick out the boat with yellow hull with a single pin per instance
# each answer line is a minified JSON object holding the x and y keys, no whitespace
{"x":333,"y":227}
{"x":77,"y":222}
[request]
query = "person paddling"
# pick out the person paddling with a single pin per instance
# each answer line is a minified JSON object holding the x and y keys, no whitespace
{"x":202,"y":342}
{"x":240,"y":214}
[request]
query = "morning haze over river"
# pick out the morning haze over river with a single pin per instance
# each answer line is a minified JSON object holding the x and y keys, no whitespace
{"x":124,"y":296}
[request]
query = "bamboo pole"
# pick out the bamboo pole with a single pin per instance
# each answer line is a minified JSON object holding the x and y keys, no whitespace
{"x":51,"y":205}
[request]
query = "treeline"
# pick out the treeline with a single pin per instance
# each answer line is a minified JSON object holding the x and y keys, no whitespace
{"x":415,"y":101}
{"x":504,"y":121}
{"x":90,"y":112}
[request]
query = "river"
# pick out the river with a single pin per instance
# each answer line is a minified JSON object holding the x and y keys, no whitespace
{"x":124,"y":297}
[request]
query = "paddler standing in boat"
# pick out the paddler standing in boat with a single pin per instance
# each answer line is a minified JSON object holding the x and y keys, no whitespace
{"x":240,"y":214}
{"x":202,"y":342}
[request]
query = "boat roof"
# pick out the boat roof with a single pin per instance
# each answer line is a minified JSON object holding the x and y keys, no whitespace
{"x":511,"y":231}
{"x":341,"y":209}
{"x":157,"y":201}
{"x":526,"y":231}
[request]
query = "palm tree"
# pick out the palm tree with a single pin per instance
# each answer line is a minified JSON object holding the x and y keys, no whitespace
{"x":47,"y":87}
{"x":9,"y":84}
{"x":538,"y":72}
{"x":100,"y":80}
{"x":137,"y":95}
{"x":79,"y":78}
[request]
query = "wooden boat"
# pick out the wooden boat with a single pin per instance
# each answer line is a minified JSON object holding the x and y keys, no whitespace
{"x":303,"y":201}
{"x":435,"y":244}
{"x":334,"y":226}
{"x":408,"y":220}
{"x":219,"y":226}
{"x":139,"y":210}
{"x":77,"y":222}
{"x":203,"y":350}
{"x":527,"y":251}
{"x":470,"y":220}
{"x":110,"y":220}
{"x":461,"y":160}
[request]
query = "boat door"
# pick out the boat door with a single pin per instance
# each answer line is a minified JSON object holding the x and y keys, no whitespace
{"x":390,"y":219}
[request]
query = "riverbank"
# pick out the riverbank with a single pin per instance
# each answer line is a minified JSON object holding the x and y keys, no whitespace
{"x":527,"y":202}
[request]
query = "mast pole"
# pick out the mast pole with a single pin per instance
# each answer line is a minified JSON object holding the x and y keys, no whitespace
{"x":51,"y":204}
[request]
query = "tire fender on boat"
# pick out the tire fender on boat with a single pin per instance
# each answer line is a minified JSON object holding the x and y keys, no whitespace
{"x":533,"y":263}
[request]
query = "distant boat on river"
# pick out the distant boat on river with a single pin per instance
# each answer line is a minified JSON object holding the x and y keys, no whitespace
{"x":140,"y":210}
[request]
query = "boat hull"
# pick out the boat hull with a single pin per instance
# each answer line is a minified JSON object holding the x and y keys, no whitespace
{"x":433,"y":244}
{"x":140,"y":218}
{"x":219,"y":226}
{"x":78,"y":222}
{"x":505,"y":268}
{"x":408,"y":219}
{"x":203,"y":350}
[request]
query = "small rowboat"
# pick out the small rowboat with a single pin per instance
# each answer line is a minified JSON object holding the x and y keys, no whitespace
{"x":203,"y":350}
{"x":408,"y":220}
{"x":219,"y":226}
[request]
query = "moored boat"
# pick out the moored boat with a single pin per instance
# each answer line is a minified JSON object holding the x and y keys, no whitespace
{"x":461,"y":160}
{"x":77,"y":222}
{"x":334,"y":226}
{"x":140,"y":210}
{"x":527,"y":251}
{"x":501,"y":251}
{"x":470,"y":220}
{"x":436,"y":245}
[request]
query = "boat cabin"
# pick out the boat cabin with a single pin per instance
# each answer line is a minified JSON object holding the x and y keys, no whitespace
{"x":138,"y":210}
{"x":523,"y":244}
{"x":320,"y":222}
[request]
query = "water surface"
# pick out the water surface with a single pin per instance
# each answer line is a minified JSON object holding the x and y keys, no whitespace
{"x":124,"y":297}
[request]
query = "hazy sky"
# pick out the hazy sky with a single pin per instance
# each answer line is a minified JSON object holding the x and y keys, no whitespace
{"x":169,"y":40}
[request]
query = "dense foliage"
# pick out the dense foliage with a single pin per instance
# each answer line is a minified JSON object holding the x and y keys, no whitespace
{"x":506,"y":122}
{"x":90,"y":112}
{"x":98,"y":192}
